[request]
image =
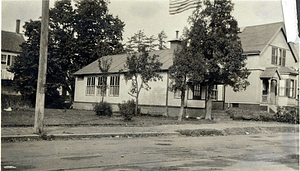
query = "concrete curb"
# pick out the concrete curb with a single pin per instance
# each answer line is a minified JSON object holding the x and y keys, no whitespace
{"x":180,"y":132}
{"x":12,"y":138}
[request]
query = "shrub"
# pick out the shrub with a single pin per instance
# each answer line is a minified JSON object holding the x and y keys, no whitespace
{"x":16,"y":102}
{"x":127,"y":109}
{"x":288,"y":114}
{"x":103,"y":109}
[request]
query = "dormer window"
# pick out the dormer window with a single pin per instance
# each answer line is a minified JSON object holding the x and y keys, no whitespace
{"x":278,"y":56}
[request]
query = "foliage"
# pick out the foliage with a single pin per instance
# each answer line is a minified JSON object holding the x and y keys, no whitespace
{"x":179,"y":72}
{"x":103,"y":109}
{"x":215,"y":50}
{"x":139,"y":41}
{"x":288,"y":114}
{"x":140,"y":69}
{"x":104,"y":66}
{"x":25,"y":68}
{"x":16,"y":102}
{"x":127,"y":110}
{"x":76,"y":38}
{"x":161,"y":37}
{"x":284,"y":114}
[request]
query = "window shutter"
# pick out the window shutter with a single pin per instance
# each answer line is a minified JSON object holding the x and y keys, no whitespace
{"x":287,"y":87}
{"x":295,"y":89}
{"x":283,"y":58}
{"x":273,"y":56}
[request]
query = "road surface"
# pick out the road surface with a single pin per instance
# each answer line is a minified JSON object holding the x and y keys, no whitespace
{"x":239,"y":152}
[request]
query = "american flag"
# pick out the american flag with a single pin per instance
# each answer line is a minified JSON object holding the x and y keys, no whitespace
{"x":178,"y":6}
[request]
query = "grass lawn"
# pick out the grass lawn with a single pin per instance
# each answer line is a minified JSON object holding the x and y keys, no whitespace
{"x":72,"y":117}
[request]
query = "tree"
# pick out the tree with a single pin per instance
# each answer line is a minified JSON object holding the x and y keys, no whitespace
{"x":104,"y":66}
{"x":25,"y":68}
{"x":76,"y":38}
{"x":98,"y":32}
{"x":217,"y":49}
{"x":162,"y":40}
{"x":139,"y":41}
{"x":180,"y":73}
{"x":141,"y":68}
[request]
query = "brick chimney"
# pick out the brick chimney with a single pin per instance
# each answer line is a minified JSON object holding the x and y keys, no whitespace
{"x":18,"y":26}
{"x":175,"y":42}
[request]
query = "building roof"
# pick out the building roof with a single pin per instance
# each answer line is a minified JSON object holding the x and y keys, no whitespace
{"x":118,"y":61}
{"x":11,"y":41}
{"x":256,"y":38}
{"x":270,"y":72}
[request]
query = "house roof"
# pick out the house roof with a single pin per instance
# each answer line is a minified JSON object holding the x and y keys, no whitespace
{"x":270,"y":73}
{"x":256,"y":38}
{"x":118,"y":61}
{"x":11,"y":41}
{"x":287,"y":71}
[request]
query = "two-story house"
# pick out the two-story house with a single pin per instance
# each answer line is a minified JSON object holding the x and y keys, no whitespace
{"x":274,"y":70}
{"x":10,"y":48}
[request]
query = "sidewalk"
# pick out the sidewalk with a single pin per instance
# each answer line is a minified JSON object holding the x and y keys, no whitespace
{"x":228,"y":127}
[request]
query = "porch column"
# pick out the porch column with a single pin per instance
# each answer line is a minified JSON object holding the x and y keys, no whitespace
{"x":269,"y":94}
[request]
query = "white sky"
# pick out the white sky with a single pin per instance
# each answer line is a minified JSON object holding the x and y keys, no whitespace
{"x":152,"y":16}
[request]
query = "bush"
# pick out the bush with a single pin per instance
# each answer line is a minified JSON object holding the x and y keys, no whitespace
{"x":240,"y":114}
{"x":127,"y":109}
{"x":288,"y":114}
{"x":16,"y":102}
{"x":103,"y":109}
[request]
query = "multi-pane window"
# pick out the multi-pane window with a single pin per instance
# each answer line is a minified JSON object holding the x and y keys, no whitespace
{"x":196,"y":92}
{"x":290,"y":88}
{"x":3,"y":59}
{"x":8,"y":60}
{"x":101,"y":88}
{"x":278,"y":56}
{"x":90,"y":86}
{"x":114,"y":85}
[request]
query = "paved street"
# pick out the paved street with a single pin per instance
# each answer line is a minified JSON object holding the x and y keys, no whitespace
{"x":236,"y":152}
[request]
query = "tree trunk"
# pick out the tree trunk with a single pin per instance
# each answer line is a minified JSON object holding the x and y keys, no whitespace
{"x":136,"y":105}
{"x":181,"y":106}
{"x":208,"y":102}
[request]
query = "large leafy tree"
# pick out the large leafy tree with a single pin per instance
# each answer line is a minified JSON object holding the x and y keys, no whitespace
{"x":140,"y":67}
{"x":98,"y":32}
{"x":216,"y":46}
{"x":76,"y":38}
{"x":25,"y":68}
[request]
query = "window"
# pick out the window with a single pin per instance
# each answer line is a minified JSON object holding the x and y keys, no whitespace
{"x":3,"y":59}
{"x":290,"y":88}
{"x":177,"y":94}
{"x":278,"y":56}
{"x":196,"y":92}
{"x":101,"y":88}
{"x":90,"y":86}
{"x":214,"y":92}
{"x":114,"y":85}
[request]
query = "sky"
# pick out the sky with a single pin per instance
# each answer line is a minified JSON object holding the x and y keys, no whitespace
{"x":151,"y":16}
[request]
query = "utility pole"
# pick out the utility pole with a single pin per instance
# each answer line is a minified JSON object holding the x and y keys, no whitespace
{"x":40,"y":91}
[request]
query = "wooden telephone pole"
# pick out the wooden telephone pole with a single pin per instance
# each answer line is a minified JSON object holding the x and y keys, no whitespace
{"x":40,"y":91}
